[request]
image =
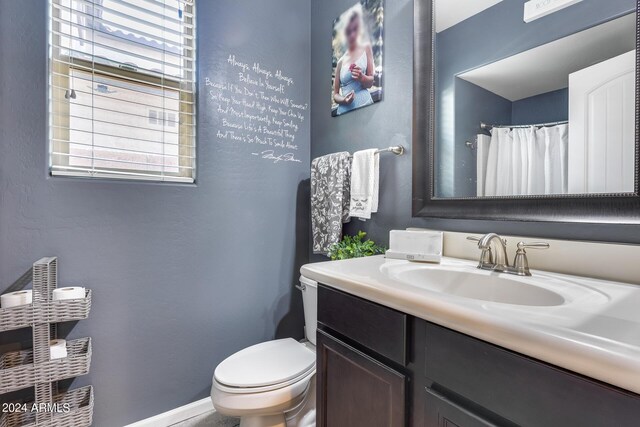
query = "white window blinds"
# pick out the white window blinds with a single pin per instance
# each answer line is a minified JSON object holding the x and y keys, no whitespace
{"x":122,"y":89}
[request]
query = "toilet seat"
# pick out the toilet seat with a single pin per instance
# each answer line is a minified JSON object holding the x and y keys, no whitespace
{"x":246,"y":390}
{"x":266,"y":366}
{"x":245,"y":403}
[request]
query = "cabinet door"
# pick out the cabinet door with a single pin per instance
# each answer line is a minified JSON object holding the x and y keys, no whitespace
{"x":441,"y":412}
{"x":355,"y":390}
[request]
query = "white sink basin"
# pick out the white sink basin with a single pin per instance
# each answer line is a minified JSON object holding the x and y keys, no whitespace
{"x":466,"y":281}
{"x":585,"y":325}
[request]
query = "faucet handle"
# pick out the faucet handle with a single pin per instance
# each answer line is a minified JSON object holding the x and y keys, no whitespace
{"x":534,"y":245}
{"x":521,"y":263}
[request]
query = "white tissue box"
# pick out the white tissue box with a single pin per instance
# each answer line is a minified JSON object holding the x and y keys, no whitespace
{"x":415,"y":245}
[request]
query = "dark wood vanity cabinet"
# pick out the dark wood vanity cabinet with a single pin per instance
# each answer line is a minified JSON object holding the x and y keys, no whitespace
{"x":357,"y":390}
{"x":362,"y":349}
{"x":379,"y":367}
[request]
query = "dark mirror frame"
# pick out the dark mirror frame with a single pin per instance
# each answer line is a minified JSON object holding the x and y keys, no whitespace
{"x":594,"y":208}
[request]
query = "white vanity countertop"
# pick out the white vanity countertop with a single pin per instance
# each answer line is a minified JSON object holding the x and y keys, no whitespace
{"x":596,"y":337}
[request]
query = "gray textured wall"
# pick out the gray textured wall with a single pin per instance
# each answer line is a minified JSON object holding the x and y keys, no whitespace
{"x":544,"y":108}
{"x":182,"y":275}
{"x":389,"y":122}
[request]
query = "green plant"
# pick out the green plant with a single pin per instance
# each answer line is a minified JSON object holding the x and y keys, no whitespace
{"x":355,"y":247}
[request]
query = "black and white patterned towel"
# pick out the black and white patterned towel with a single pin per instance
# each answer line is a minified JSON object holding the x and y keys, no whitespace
{"x":330,"y":183}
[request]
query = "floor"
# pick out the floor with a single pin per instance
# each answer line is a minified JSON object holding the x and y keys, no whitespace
{"x":210,"y":419}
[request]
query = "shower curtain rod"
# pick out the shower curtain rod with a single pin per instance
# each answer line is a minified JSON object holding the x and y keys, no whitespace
{"x":485,"y":126}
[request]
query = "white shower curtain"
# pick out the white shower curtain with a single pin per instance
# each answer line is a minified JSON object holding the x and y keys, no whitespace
{"x":524,"y":161}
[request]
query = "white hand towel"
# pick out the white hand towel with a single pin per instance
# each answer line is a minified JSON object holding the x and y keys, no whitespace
{"x":365,"y":172}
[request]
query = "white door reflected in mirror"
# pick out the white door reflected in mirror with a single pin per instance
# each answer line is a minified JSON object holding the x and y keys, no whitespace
{"x":602,"y":126}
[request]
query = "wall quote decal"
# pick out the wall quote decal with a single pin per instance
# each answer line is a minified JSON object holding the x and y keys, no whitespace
{"x":254,"y":108}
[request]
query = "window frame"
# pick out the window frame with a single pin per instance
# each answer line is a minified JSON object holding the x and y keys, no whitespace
{"x":59,"y":124}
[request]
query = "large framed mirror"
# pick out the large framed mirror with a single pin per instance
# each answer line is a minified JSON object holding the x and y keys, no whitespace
{"x":526,"y":110}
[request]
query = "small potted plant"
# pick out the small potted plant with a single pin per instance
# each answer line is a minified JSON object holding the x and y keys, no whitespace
{"x":355,"y":247}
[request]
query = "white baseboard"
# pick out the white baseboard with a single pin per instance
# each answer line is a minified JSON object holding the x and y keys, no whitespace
{"x":177,"y":415}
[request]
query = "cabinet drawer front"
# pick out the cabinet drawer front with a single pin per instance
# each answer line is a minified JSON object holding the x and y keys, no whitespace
{"x":441,"y":412}
{"x":355,"y":390}
{"x":525,"y":391}
{"x":378,"y":328}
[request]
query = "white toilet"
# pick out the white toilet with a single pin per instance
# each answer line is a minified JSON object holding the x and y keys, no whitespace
{"x":272,"y":384}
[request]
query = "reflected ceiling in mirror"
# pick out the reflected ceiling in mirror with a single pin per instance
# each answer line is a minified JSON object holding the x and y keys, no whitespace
{"x":539,"y":109}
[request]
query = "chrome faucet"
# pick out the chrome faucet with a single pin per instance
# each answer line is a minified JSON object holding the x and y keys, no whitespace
{"x":494,"y":254}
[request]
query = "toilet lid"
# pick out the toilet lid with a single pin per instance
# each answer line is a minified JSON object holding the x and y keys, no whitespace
{"x":265,"y":364}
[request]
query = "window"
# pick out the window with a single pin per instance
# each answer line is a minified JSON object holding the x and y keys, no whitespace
{"x":122,"y":89}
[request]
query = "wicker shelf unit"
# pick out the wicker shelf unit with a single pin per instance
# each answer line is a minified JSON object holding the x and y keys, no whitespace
{"x":34,"y":367}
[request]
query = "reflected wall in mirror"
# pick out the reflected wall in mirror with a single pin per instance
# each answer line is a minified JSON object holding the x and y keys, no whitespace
{"x":545,"y":108}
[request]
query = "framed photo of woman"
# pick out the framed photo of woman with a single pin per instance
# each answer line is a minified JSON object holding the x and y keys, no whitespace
{"x":357,"y":57}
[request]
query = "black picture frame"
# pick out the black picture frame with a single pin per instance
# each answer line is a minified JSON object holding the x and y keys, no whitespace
{"x":621,"y":208}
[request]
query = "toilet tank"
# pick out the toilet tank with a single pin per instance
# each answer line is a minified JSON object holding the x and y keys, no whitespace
{"x":310,"y":302}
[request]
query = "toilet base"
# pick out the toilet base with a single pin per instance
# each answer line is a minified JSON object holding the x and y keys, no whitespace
{"x":263,"y":421}
{"x":304,"y":415}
